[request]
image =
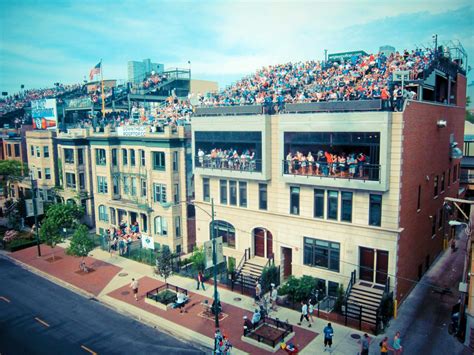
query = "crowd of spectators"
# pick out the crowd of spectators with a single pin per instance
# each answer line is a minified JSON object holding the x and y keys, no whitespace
{"x":361,"y":77}
{"x":120,"y":239}
{"x":325,"y":163}
{"x":24,"y":97}
{"x":229,"y":159}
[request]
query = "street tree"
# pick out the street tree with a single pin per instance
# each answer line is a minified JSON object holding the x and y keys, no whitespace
{"x":81,"y":245}
{"x":198,"y":259}
{"x":59,"y":217}
{"x":164,"y":263}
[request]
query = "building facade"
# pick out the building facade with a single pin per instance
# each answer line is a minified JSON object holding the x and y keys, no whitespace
{"x":137,"y":71}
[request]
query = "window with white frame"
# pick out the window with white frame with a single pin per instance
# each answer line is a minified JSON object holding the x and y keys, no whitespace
{"x":103,"y":214}
{"x":159,"y":193}
{"x":102,"y":184}
{"x":161,"y":226}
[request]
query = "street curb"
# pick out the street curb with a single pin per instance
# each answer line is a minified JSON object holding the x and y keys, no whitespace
{"x":175,"y":334}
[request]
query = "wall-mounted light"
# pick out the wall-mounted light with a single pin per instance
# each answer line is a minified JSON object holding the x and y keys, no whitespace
{"x":441,"y":123}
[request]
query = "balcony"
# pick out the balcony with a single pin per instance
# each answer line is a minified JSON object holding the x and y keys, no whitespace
{"x":362,"y":172}
{"x":232,"y":164}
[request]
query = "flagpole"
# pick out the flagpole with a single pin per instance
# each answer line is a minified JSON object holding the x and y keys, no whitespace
{"x":102,"y":86}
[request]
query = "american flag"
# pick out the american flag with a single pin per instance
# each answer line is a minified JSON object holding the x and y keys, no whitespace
{"x":95,"y":70}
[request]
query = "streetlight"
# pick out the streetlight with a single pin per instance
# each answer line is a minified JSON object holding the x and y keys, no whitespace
{"x":35,"y":211}
{"x":214,"y":251}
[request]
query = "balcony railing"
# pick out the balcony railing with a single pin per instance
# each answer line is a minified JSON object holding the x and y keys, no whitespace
{"x":365,"y":172}
{"x":232,"y":164}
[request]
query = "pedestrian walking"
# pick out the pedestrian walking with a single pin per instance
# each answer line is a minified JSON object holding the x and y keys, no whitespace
{"x":273,"y":296}
{"x":365,"y":344}
{"x":200,"y":281}
{"x":397,"y":344}
{"x":134,"y":287}
{"x":304,"y":313}
{"x":310,"y":310}
{"x":384,"y":346}
{"x":328,"y":334}
{"x":258,"y":291}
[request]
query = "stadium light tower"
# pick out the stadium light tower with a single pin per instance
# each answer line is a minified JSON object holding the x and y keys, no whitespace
{"x":435,"y":40}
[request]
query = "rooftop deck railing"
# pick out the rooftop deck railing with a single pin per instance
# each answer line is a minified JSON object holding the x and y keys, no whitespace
{"x":231,"y":164}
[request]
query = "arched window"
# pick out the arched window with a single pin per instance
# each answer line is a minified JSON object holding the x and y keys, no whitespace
{"x":226,"y":231}
{"x":103,"y":214}
{"x":161,"y":226}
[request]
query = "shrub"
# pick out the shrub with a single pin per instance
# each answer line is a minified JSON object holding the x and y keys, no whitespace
{"x":269,"y":275}
{"x":339,"y":299}
{"x":198,"y":259}
{"x":166,"y":297}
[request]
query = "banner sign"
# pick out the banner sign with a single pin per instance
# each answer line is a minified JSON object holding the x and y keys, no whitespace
{"x":219,"y":252}
{"x":132,"y":131}
{"x":345,"y":56}
{"x":148,"y":242}
{"x":44,"y":114}
{"x":29,"y":208}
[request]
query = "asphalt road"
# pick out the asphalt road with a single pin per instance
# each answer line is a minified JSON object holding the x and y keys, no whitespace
{"x":40,"y":317}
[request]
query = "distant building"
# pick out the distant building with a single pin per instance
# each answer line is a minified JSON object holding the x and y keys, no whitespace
{"x":387,"y":50}
{"x":137,"y":71}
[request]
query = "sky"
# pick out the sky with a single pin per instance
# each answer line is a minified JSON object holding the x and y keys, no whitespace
{"x":43,"y":42}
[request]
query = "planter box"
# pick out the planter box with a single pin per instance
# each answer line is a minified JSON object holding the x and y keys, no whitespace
{"x":159,"y":305}
{"x":265,"y":346}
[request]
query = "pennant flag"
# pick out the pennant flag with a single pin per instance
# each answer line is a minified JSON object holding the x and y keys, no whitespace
{"x":95,"y":71}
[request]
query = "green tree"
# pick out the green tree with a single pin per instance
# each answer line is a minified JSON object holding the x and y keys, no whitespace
{"x":163,"y":263}
{"x":10,"y":171}
{"x":59,"y":217}
{"x":198,"y":259}
{"x":81,"y":244}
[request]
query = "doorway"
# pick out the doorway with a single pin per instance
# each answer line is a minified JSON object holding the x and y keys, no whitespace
{"x":373,"y":265}
{"x":262,"y":242}
{"x":286,"y":255}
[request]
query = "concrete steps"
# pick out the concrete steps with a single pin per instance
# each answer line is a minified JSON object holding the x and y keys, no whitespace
{"x":363,"y":294}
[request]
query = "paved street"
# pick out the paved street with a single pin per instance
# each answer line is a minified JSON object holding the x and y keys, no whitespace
{"x":426,"y":314}
{"x":39,"y":317}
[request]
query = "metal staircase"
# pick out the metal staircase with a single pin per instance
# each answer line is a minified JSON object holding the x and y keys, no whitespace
{"x":249,"y":271}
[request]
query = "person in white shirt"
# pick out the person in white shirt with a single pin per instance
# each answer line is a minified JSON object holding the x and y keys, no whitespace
{"x":273,"y":296}
{"x":304,"y":313}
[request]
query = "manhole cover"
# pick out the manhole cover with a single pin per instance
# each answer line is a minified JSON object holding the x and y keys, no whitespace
{"x":124,"y":293}
{"x":123,"y":274}
{"x":355,"y":336}
{"x":237,"y":299}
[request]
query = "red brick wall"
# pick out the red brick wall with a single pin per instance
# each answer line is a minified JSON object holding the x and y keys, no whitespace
{"x":461,"y":90}
{"x":425,"y":154}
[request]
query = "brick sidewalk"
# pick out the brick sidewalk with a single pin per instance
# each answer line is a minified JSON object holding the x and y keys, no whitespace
{"x":66,"y":268}
{"x":230,"y":325}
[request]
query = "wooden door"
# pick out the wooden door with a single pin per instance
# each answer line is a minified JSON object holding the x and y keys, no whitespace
{"x":366,"y":264}
{"x":382,"y":267}
{"x":259,"y":242}
{"x":269,"y":244}
{"x":287,"y":259}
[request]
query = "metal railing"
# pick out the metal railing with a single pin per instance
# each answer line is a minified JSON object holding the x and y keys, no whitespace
{"x":274,"y":323}
{"x":154,"y":293}
{"x":231,"y":164}
{"x":364,"y":172}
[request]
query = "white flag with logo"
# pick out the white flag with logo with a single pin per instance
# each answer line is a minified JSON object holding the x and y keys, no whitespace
{"x":148,"y":242}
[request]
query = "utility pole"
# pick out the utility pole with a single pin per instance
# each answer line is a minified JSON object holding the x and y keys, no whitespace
{"x":35,"y":212}
{"x":214,"y":260}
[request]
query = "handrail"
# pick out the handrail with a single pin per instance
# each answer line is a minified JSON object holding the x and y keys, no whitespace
{"x":232,"y":164}
{"x":364,"y":172}
{"x":285,"y":326}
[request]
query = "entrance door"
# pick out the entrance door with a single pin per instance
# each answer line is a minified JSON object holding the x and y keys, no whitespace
{"x":269,"y":244}
{"x":259,"y":242}
{"x":287,"y":259}
{"x":382,"y":267}
{"x":366,"y":264}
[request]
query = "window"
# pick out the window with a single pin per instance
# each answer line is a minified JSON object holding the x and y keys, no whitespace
{"x":442,"y":182}
{"x":161,"y":226}
{"x":318,"y":203}
{"x":375,"y":210}
{"x":71,"y":180}
{"x":116,"y":187}
{"x":159,"y":193}
{"x":39,"y":174}
{"x":102,"y":184}
{"x":242,"y":194}
{"x":449,"y":177}
{"x":124,"y":157}
{"x":321,"y":253}
{"x":233,"y":193}
{"x":175,"y":161}
{"x":47,"y":173}
{"x":132,"y":157}
{"x":262,"y":196}
{"x":435,"y":185}
{"x":9,"y":150}
{"x":142,"y":158}
{"x":133,"y":184}
{"x":224,"y":230}
{"x":176,"y":194}
{"x":433,"y":226}
{"x":113,"y":217}
{"x":100,"y":157}
{"x":17,"y":150}
{"x":294,"y":200}
{"x":206,"y":193}
{"x":80,"y":156}
{"x":46,"y":151}
{"x":223,"y":190}
{"x":158,"y":161}
{"x":177,"y":225}
{"x":82,"y":183}
{"x":38,"y":152}
{"x":126,"y":186}
{"x":69,"y":156}
{"x":418,"y":202}
{"x":333,"y":197}
{"x":32,"y":150}
{"x":114,"y":157}
{"x":332,"y":288}
{"x":440,"y":218}
{"x":103,"y":214}
{"x":143,"y":188}
{"x":346,"y":206}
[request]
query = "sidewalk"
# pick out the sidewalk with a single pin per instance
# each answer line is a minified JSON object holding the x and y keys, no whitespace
{"x":110,"y":280}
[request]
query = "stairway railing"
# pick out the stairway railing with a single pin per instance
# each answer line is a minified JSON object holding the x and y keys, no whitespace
{"x":380,"y":317}
{"x":238,"y":269}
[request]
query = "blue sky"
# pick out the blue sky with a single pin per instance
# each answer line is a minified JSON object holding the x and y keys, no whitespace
{"x":42,"y":42}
